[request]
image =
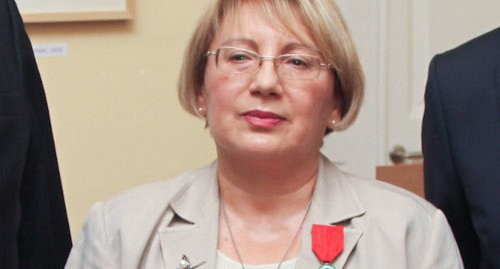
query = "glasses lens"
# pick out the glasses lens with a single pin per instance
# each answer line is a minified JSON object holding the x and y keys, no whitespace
{"x":235,"y":60}
{"x":297,"y":66}
{"x":292,"y":66}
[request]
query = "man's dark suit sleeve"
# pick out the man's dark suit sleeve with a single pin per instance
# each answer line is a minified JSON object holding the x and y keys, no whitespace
{"x":443,"y":186}
{"x":34,"y":231}
{"x":461,"y":146}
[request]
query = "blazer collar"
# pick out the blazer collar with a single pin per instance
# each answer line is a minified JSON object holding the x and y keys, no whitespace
{"x":335,"y":202}
{"x":192,"y":229}
{"x":198,"y":198}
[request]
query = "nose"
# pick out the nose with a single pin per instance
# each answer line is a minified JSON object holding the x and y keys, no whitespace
{"x":266,"y":79}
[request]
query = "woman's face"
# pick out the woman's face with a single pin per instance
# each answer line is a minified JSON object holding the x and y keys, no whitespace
{"x":262,"y":114}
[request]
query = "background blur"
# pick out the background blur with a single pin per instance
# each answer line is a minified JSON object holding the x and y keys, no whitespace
{"x":113,"y":101}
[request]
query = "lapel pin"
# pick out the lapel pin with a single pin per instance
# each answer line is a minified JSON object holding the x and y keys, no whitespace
{"x":185,"y":264}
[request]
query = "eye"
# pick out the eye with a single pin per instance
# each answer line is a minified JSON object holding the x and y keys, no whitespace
{"x":238,"y":56}
{"x":236,"y":60}
{"x":298,"y":61}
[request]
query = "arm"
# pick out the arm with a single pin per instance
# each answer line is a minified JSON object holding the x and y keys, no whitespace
{"x":92,"y":250}
{"x":34,"y":230}
{"x":441,"y":251}
{"x":443,"y":185}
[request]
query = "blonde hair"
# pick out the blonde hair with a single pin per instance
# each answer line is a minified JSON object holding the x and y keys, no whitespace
{"x":323,"y":21}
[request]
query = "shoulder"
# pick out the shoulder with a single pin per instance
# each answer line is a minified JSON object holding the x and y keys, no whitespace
{"x":454,"y":73}
{"x":397,"y":218}
{"x":480,"y":50}
{"x":138,"y":210}
{"x":484,"y":44}
{"x":392,"y":212}
{"x":126,"y":222}
{"x":153,"y":196}
{"x":390,"y":209}
{"x":393,"y":222}
{"x":389,"y":200}
{"x":379,"y":200}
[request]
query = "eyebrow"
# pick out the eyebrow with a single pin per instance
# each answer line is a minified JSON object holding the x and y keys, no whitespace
{"x":240,"y":40}
{"x":298,"y":45}
{"x":253,"y":44}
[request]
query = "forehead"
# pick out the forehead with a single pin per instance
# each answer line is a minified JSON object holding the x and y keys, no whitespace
{"x":263,"y":23}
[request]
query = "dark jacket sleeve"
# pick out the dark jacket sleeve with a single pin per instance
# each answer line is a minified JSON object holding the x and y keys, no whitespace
{"x":443,"y":186}
{"x":461,"y":146}
{"x":34,"y":231}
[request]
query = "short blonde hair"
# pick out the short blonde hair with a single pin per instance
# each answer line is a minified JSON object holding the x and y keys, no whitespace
{"x":323,"y":21}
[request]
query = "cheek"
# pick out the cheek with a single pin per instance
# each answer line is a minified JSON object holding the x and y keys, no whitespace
{"x":325,"y":98}
{"x":220,"y":94}
{"x":316,"y":101}
{"x":215,"y":85}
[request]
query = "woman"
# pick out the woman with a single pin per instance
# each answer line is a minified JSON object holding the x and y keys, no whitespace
{"x":270,"y":77}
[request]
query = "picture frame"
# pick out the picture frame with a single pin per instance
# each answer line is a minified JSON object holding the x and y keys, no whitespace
{"x":48,"y":11}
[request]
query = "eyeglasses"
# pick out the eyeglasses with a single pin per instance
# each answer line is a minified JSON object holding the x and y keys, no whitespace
{"x":241,"y":61}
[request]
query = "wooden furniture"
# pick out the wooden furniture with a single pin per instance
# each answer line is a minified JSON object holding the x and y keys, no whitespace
{"x":409,"y":176}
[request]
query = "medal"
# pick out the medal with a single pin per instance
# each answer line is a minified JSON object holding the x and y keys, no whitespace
{"x":327,"y":243}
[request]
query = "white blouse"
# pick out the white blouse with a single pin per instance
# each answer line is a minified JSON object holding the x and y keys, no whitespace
{"x":224,"y":262}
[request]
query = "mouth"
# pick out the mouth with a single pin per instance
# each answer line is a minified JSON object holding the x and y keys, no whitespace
{"x":263,"y":119}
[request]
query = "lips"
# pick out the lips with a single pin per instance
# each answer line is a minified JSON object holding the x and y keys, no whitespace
{"x":263,"y":119}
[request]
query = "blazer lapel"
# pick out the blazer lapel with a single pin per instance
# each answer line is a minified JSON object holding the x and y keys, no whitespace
{"x":334,"y":203}
{"x":193,"y":229}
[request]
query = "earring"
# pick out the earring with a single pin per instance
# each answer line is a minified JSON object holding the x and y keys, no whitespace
{"x":332,"y":124}
{"x":201,"y":111}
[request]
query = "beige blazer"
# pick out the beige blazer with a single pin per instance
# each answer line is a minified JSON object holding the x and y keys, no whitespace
{"x":152,"y":226}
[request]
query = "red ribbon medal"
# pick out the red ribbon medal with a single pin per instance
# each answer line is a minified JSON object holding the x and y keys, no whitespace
{"x":327,"y":243}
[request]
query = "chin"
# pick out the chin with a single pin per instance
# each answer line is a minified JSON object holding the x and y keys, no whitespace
{"x":268,"y":150}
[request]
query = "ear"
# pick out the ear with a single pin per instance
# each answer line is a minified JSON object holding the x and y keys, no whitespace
{"x":201,"y":106}
{"x":334,"y":118}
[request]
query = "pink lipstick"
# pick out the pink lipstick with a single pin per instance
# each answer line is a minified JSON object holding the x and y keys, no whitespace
{"x":262,"y":119}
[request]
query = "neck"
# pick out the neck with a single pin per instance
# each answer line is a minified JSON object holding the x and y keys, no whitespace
{"x":267,"y":202}
{"x":277,"y":187}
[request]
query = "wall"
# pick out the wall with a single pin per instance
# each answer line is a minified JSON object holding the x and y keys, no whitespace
{"x":113,"y":102}
{"x":357,"y":149}
{"x":114,"y":109}
{"x":412,"y":32}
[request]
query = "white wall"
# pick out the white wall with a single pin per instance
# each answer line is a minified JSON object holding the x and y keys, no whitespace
{"x":357,"y":149}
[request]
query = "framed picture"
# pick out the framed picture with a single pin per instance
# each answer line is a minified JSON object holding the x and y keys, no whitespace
{"x":38,"y":11}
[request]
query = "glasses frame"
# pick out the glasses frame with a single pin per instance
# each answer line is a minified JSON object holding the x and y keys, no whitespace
{"x":267,"y":58}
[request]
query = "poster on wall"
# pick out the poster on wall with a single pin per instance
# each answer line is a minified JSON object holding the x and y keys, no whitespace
{"x":35,"y":11}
